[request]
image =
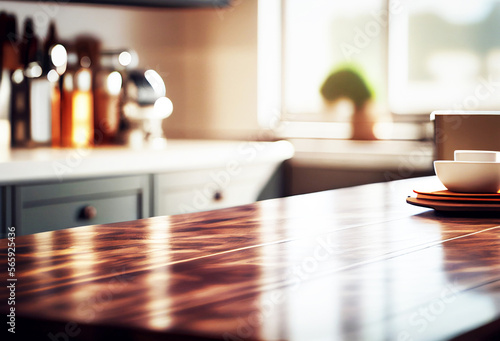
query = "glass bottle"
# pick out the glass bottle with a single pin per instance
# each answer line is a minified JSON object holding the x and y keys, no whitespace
{"x":20,"y":97}
{"x":77,"y":101}
{"x":67,"y":89}
{"x":108,"y":94}
{"x":9,"y":60}
{"x":55,"y":64}
{"x":40,"y":98}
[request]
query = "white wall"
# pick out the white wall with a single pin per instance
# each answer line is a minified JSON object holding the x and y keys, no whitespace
{"x":207,"y":57}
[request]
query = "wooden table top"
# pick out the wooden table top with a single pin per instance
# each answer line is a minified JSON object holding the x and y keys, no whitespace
{"x":349,"y":264}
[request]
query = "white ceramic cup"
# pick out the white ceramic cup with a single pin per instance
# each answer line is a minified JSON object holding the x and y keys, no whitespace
{"x":477,"y":155}
{"x":469,"y":176}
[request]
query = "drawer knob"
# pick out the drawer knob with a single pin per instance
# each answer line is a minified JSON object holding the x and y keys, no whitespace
{"x":89,"y":212}
{"x":218,"y":196}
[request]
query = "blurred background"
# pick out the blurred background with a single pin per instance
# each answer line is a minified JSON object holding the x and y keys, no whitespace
{"x":350,"y":84}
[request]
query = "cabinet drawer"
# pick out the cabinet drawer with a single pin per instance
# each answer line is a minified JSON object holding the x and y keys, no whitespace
{"x":89,"y":212}
{"x":209,"y":189}
{"x":207,"y":198}
{"x":222,"y":177}
{"x":54,"y":206}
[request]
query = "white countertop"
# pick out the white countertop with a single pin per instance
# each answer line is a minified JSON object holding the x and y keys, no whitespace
{"x":363,"y":155}
{"x":56,"y":164}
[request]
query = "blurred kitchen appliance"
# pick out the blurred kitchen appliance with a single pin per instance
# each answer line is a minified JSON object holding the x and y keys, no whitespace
{"x":465,"y":130}
{"x":146,"y":107}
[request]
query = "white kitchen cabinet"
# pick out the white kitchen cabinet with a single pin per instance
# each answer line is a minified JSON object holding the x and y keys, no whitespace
{"x":214,"y":188}
{"x":46,"y":189}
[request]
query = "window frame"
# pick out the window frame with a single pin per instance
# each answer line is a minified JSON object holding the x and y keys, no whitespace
{"x":271,"y":85}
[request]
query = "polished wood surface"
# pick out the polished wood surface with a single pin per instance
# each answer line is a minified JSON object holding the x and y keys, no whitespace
{"x":350,"y":264}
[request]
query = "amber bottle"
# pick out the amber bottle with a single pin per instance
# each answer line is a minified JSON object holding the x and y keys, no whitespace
{"x":77,"y":100}
{"x":54,"y":66}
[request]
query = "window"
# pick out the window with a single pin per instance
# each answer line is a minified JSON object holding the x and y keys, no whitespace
{"x":398,"y":61}
{"x":323,"y":38}
{"x":444,"y":55}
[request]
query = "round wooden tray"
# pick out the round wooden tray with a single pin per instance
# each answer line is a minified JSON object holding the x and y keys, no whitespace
{"x":456,"y":206}
{"x":456,"y":196}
